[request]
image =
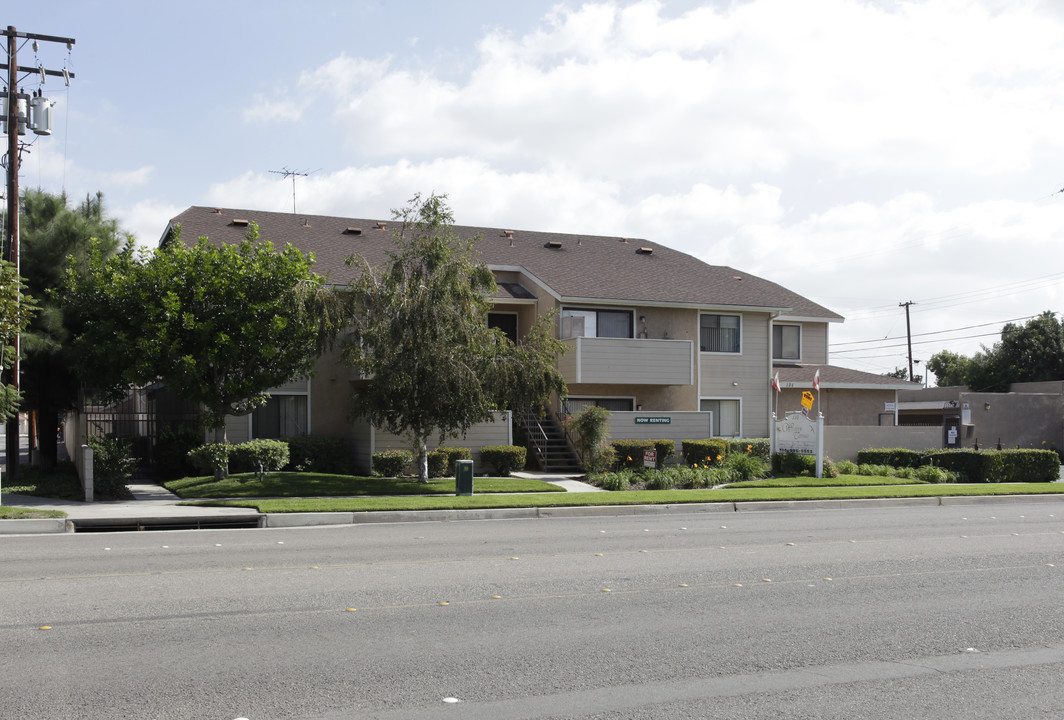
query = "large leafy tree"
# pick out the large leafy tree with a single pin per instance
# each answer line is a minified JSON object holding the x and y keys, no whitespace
{"x":419,"y":334}
{"x":16,"y":311}
{"x":1033,"y":352}
{"x":217,"y":324}
{"x":50,"y":232}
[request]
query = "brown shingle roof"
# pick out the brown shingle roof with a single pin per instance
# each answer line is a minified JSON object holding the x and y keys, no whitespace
{"x":832,"y":376}
{"x":573,"y":266}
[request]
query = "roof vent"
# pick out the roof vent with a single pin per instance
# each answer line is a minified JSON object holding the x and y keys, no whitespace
{"x":382,"y":226}
{"x":508,"y":233}
{"x":241,"y":222}
{"x":306,"y":223}
{"x":553,"y":244}
{"x":352,"y":231}
{"x":624,"y":240}
{"x":645,"y":251}
{"x":217,"y":211}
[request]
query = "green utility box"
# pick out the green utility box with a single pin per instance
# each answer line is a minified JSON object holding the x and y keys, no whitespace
{"x":463,"y":477}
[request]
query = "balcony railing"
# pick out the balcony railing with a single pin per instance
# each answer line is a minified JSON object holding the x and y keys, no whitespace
{"x":628,"y":361}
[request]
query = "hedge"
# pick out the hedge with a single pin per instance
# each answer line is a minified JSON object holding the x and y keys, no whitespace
{"x":261,"y":455}
{"x":895,"y":457}
{"x":759,"y":447}
{"x":390,"y":463}
{"x":503,"y":459}
{"x":442,"y":460}
{"x":319,"y":454}
{"x":795,"y":464}
{"x":629,"y":453}
{"x":704,"y":452}
{"x":995,"y":466}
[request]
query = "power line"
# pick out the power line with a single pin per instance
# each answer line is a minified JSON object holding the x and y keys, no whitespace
{"x":935,"y":332}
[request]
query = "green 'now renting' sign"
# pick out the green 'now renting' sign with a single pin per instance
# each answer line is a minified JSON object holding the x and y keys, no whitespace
{"x":653,"y":420}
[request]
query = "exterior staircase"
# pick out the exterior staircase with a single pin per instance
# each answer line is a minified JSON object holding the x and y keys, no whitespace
{"x":548,"y":441}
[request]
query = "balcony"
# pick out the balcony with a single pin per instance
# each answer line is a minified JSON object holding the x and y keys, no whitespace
{"x":628,"y":361}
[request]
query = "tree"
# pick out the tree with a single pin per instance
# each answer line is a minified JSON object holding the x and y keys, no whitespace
{"x":51,"y":232}
{"x":419,"y":334}
{"x":217,"y":324}
{"x":16,"y":311}
{"x":903,"y":374}
{"x":1031,"y":353}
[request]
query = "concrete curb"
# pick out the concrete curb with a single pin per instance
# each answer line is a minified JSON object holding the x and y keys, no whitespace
{"x":33,"y":526}
{"x":291,"y":520}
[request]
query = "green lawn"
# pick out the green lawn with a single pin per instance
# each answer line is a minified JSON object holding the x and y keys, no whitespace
{"x":840,"y":481}
{"x":637,"y":497}
{"x":17,"y":513}
{"x":291,"y":485}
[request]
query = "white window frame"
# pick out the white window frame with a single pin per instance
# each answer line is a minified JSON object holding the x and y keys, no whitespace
{"x":568,"y":312}
{"x":716,"y":415}
{"x":798,"y":327}
{"x":278,"y":393}
{"x":737,"y":316}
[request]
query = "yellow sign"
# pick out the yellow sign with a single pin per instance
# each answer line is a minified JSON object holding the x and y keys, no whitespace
{"x":807,"y":400}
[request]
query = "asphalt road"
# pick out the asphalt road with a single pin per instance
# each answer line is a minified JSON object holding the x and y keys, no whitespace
{"x":948,"y":612}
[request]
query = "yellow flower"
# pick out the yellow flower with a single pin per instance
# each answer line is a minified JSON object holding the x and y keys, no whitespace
{"x":629,"y":458}
{"x":749,"y":448}
{"x":719,"y":458}
{"x":695,"y":465}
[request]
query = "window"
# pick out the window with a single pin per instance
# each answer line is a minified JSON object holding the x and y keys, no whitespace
{"x":596,"y":323}
{"x":725,"y":416}
{"x":507,"y":322}
{"x":719,"y":333}
{"x":579,"y":405}
{"x":786,"y":342}
{"x":281,"y":416}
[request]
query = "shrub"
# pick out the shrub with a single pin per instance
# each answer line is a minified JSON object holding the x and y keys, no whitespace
{"x":746,"y":466}
{"x":112,"y":467}
{"x":614,"y":481}
{"x":704,"y":452}
{"x":629,"y":453}
{"x":846,"y":467}
{"x":661,"y":480}
{"x":503,"y":459}
{"x":454,"y":454}
{"x":318,"y":453}
{"x":590,"y":427}
{"x":261,"y":455}
{"x":932,"y":474}
{"x":437,"y":461}
{"x":829,"y":469}
{"x":758,"y":447}
{"x":212,"y":458}
{"x":794,"y":464}
{"x":390,"y":463}
{"x":894,"y":457}
{"x":1029,"y":465}
{"x":171,"y":452}
{"x":599,"y":458}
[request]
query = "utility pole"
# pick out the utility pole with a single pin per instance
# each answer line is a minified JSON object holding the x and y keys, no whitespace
{"x":22,"y":111}
{"x":291,"y":174}
{"x":908,"y":335}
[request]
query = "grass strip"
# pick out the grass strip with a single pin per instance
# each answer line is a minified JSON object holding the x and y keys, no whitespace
{"x":840,"y":481}
{"x":291,"y":485}
{"x":635,"y":497}
{"x":17,"y":513}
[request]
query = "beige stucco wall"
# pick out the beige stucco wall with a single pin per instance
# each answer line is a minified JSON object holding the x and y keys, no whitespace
{"x":743,"y":376}
{"x":842,"y":443}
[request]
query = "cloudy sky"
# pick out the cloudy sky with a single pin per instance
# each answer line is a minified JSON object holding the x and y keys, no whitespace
{"x":862,"y":153}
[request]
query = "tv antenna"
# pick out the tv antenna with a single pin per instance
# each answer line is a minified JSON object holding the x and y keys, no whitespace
{"x":291,"y":174}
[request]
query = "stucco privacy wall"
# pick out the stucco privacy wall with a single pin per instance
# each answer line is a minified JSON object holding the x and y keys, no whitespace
{"x":497,"y":432}
{"x":842,"y":443}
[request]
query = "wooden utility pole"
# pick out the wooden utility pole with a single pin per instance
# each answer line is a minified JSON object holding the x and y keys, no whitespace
{"x":11,"y":249}
{"x":908,"y":335}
